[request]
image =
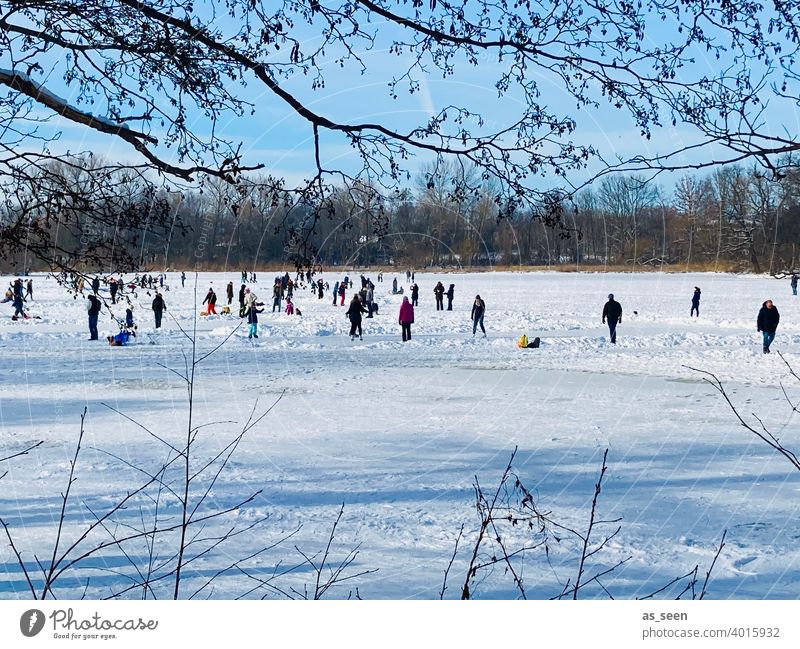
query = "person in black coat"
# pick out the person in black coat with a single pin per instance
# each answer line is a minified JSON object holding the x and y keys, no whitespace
{"x":767,"y":323}
{"x":158,"y":308}
{"x":229,"y":292}
{"x":414,"y":295}
{"x":613,"y":311}
{"x":94,"y":311}
{"x":354,"y":313}
{"x":450,"y":293}
{"x":241,"y":301}
{"x":96,"y":285}
{"x":695,"y":302}
{"x":478,"y":311}
{"x":438,"y":292}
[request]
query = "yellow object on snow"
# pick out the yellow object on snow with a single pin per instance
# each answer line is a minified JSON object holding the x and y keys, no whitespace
{"x":523,"y":341}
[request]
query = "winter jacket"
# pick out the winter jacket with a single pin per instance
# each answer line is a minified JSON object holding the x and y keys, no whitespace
{"x":450,"y":292}
{"x":230,"y":292}
{"x":406,"y":312}
{"x":439,"y":290}
{"x":613,"y":311}
{"x":415,"y":292}
{"x":478,"y":309}
{"x":241,"y":295}
{"x":696,"y":298}
{"x":94,"y":305}
{"x":211,"y":298}
{"x":768,"y":318}
{"x":252,"y":314}
{"x":158,"y":303}
{"x":355,"y":311}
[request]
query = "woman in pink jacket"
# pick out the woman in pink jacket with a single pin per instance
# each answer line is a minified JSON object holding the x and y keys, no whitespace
{"x":406,"y":318}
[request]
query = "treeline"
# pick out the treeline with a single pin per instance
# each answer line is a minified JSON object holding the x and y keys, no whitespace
{"x":732,"y":218}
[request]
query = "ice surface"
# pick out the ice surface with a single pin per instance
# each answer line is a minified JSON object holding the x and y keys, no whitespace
{"x":399,"y":431}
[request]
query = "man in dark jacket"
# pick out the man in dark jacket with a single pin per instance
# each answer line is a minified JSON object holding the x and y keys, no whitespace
{"x":96,"y":285}
{"x":94,"y":311}
{"x":613,"y":311}
{"x":414,"y":295}
{"x":438,"y":292}
{"x":229,"y":292}
{"x":478,"y":311}
{"x":241,"y":301}
{"x":450,"y":293}
{"x":767,"y":323}
{"x":354,"y":313}
{"x":158,"y":308}
{"x":695,"y":302}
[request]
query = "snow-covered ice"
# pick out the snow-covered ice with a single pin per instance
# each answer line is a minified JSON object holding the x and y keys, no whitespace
{"x":398,"y":431}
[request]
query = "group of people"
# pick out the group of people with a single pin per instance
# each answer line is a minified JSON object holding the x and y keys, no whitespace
{"x":362,"y":304}
{"x":766,"y":321}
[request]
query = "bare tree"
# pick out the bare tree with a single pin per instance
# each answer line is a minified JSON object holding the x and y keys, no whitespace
{"x":109,"y":66}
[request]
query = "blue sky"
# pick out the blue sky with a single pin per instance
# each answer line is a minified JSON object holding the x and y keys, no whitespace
{"x":276,"y":137}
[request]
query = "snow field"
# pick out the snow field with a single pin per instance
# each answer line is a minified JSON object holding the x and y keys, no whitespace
{"x":398,"y":431}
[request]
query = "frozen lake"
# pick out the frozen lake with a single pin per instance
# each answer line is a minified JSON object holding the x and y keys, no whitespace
{"x":398,"y":432}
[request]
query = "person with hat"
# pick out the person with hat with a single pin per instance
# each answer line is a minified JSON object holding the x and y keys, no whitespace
{"x":450,"y":293}
{"x":613,"y":311}
{"x":211,"y":300}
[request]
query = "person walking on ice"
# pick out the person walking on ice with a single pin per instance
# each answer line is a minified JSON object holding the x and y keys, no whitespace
{"x":211,"y":299}
{"x":158,"y":308}
{"x":794,"y":283}
{"x":478,"y":311}
{"x":406,"y":318}
{"x":354,"y":313}
{"x":695,"y":302}
{"x":450,"y":293}
{"x":613,"y":311}
{"x":767,"y":323}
